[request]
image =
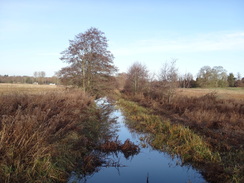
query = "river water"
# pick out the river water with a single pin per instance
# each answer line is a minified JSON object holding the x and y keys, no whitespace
{"x":148,"y":166}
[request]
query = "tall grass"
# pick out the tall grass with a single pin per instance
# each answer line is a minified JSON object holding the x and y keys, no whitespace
{"x":42,"y":137}
{"x":178,"y":139}
{"x":221,"y":120}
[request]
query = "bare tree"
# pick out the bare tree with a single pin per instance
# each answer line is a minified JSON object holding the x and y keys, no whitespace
{"x":238,"y":76}
{"x":137,"y":78}
{"x":185,"y":81}
{"x":239,"y":81}
{"x":39,"y":76}
{"x":90,"y":63}
{"x":42,"y":74}
{"x":168,"y":79}
{"x":36,"y":74}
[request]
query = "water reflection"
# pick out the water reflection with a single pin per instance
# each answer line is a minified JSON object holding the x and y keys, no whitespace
{"x":148,"y":166}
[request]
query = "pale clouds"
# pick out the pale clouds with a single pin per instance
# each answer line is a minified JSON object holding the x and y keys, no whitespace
{"x":194,"y":43}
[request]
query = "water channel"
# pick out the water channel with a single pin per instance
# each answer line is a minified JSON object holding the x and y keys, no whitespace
{"x":149,"y":166}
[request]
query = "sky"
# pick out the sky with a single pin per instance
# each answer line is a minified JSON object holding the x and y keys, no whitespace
{"x":197,"y":33}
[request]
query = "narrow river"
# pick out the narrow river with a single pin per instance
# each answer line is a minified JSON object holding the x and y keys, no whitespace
{"x":149,"y":166}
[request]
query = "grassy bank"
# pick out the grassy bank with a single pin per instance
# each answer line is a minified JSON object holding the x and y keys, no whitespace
{"x":220,"y":120}
{"x":43,"y":137}
{"x":178,"y":139}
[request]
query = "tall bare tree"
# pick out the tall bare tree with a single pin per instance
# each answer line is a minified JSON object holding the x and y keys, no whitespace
{"x":137,"y":78}
{"x":39,"y":76}
{"x":36,"y":75}
{"x":90,"y":61}
{"x":168,"y":79}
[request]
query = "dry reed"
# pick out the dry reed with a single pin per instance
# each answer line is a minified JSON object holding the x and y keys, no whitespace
{"x":43,"y":136}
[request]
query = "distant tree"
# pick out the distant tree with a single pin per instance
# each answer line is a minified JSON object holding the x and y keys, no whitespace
{"x":121,"y":79}
{"x":186,"y":80}
{"x":36,"y":75}
{"x":42,"y":75}
{"x":168,"y":79}
{"x":90,"y":63}
{"x":194,"y":84}
{"x":231,"y":80}
{"x":137,"y":79}
{"x":204,"y":77}
{"x":39,"y":76}
{"x":238,"y":76}
{"x":28,"y":80}
{"x":220,"y":76}
{"x":239,"y":81}
{"x":212,"y":77}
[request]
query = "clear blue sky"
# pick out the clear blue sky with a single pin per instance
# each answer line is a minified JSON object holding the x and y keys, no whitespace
{"x":196,"y":32}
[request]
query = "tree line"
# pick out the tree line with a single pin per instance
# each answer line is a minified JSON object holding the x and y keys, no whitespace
{"x":35,"y":79}
{"x":138,"y":81}
{"x":91,"y":67}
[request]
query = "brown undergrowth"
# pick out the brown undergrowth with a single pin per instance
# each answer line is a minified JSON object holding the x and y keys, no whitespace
{"x":219,"y":121}
{"x":42,"y":137}
{"x":222,"y":121}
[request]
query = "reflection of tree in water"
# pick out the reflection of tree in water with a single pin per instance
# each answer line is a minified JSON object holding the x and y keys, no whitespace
{"x":147,"y":177}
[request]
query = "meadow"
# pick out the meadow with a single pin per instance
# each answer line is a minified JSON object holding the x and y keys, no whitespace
{"x":7,"y":88}
{"x":233,"y":93}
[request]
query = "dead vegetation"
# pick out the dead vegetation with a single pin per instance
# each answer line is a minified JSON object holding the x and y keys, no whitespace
{"x":221,"y":120}
{"x":42,"y":137}
{"x":128,"y":148}
{"x":233,"y":93}
{"x":218,"y":120}
{"x":7,"y":88}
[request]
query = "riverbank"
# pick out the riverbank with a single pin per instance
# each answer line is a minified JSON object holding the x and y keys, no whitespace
{"x":177,"y":138}
{"x":46,"y":135}
{"x":146,"y":165}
